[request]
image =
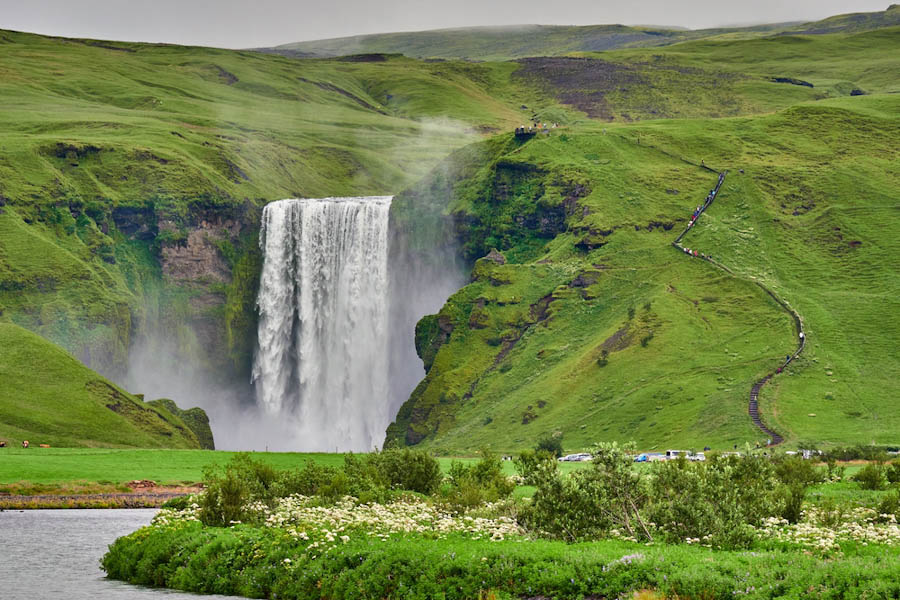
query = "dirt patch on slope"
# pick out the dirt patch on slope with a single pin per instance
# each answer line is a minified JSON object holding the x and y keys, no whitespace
{"x":579,"y":82}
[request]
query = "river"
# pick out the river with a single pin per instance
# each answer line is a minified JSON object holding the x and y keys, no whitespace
{"x":55,"y":555}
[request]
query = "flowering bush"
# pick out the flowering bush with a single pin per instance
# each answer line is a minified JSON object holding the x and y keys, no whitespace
{"x":322,"y":526}
{"x":371,"y":477}
{"x":819,"y":530}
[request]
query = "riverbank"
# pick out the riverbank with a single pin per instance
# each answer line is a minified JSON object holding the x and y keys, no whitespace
{"x":298,"y":561}
{"x":141,"y":498}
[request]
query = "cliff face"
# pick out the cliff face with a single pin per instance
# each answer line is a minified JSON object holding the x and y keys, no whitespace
{"x":210,"y":261}
{"x":97,"y":280}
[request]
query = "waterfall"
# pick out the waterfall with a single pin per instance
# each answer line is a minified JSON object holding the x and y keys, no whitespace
{"x":322,"y":358}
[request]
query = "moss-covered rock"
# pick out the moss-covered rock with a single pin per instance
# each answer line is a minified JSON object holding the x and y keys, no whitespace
{"x":195,"y":418}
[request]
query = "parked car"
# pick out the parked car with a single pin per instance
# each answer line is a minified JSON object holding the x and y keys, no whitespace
{"x":580,"y":457}
{"x":698,"y":457}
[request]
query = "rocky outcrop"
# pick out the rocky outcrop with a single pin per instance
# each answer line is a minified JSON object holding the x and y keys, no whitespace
{"x":136,"y":222}
{"x":195,"y":255}
{"x":196,"y":420}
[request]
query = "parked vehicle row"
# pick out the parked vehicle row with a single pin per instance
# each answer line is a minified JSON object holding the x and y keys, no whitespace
{"x":670,"y":455}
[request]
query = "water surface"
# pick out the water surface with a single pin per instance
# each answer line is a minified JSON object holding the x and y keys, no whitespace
{"x":55,"y":555}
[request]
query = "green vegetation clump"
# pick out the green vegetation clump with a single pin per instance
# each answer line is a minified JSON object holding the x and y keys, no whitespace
{"x":368,"y":478}
{"x":459,"y":568}
{"x":472,"y":485}
{"x":872,"y":477}
{"x":195,"y":418}
{"x":551,"y":444}
{"x":722,"y":501}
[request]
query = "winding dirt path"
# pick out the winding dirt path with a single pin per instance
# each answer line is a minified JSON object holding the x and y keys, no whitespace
{"x":753,"y":405}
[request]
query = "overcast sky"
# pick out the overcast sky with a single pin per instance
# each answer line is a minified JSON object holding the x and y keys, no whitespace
{"x":254,"y":23}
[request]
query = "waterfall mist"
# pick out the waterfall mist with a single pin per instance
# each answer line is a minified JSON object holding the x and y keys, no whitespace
{"x":322,"y":359}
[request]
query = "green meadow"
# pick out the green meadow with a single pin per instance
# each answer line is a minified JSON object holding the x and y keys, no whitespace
{"x":87,"y":466}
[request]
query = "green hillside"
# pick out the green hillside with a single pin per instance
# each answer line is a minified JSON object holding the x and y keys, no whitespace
{"x":132,"y":177}
{"x":591,"y":325}
{"x":48,"y":397}
{"x":510,"y":42}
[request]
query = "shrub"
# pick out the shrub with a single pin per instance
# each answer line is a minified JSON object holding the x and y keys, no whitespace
{"x":860,"y":452}
{"x":590,"y":502}
{"x":306,"y":481}
{"x":890,"y":504}
{"x":529,"y":462}
{"x":615,"y":490}
{"x":718,"y":500}
{"x":406,"y":469}
{"x":795,"y":470}
{"x":834,"y":472}
{"x":228,"y":490}
{"x":604,"y":358}
{"x":892,"y":472}
{"x":792,"y":497}
{"x":471,"y":485}
{"x":551,"y":444}
{"x":871,"y":477}
{"x":223,"y":502}
{"x":557,"y":508}
{"x":796,"y":475}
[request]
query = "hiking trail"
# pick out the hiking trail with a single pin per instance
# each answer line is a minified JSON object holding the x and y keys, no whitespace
{"x":753,"y":406}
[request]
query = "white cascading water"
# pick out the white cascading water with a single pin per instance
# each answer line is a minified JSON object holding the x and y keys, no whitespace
{"x":322,"y":356}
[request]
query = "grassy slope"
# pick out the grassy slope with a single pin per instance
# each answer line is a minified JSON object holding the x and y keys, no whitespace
{"x":820,"y":227}
{"x":185,"y":121}
{"x":52,"y":282}
{"x":48,"y":397}
{"x":492,"y":43}
{"x":713,"y":335}
{"x":504,"y":43}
